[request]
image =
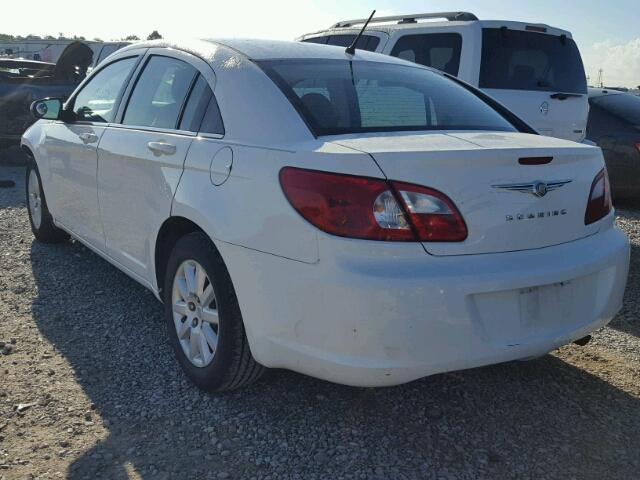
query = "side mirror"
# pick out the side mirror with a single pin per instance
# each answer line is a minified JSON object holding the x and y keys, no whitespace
{"x":48,"y":108}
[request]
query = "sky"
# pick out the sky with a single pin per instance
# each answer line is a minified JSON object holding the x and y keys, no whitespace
{"x":607,"y":33}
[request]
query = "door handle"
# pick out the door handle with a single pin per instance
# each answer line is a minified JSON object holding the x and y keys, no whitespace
{"x":88,"y":137}
{"x":161,"y":148}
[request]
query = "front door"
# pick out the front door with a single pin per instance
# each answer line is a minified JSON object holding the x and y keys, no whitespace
{"x":72,"y":150}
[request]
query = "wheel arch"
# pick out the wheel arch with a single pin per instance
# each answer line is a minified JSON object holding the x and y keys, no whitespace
{"x":172,"y":230}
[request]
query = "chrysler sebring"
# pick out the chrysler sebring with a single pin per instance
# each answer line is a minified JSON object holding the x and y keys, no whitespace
{"x":343,"y":214}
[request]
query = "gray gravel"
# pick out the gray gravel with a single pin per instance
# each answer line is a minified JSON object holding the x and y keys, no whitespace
{"x":89,"y":389}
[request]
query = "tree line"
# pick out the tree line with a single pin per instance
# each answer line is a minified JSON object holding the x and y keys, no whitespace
{"x":4,"y":37}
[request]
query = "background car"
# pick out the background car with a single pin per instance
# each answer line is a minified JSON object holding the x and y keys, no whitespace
{"x":24,"y":81}
{"x":535,"y":70}
{"x":614,"y":125}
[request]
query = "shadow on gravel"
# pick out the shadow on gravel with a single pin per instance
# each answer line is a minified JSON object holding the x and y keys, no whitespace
{"x":539,"y":419}
{"x":12,"y":190}
{"x":627,"y":320}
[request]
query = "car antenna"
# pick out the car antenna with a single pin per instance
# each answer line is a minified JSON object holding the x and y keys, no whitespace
{"x":351,"y":49}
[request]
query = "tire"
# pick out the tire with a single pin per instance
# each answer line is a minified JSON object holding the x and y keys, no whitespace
{"x":231,"y":365}
{"x":40,"y":219}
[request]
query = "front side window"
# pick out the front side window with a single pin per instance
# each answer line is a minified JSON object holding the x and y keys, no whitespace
{"x":160,"y":92}
{"x":521,"y":60}
{"x":365,"y":42}
{"x":97,"y":101}
{"x":437,"y":50}
{"x":340,"y":97}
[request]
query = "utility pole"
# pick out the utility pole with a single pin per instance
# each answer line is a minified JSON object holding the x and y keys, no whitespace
{"x":600,"y":78}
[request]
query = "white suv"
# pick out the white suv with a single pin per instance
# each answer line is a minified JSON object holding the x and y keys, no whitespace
{"x":534,"y":70}
{"x":358,"y":218}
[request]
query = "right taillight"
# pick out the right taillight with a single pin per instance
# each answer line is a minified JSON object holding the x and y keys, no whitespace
{"x":638,"y":147}
{"x":599,"y":204}
{"x":370,"y":208}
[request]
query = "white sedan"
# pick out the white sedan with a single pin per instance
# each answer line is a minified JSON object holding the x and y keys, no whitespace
{"x":353,"y":217}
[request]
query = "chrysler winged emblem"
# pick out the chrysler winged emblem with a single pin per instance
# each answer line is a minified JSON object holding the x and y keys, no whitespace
{"x":537,"y":188}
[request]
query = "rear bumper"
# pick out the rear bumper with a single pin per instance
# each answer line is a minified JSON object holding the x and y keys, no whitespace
{"x":373,"y":320}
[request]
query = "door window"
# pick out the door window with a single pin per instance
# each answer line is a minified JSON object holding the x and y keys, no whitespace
{"x":160,"y":93}
{"x":97,"y":101}
{"x":437,"y":50}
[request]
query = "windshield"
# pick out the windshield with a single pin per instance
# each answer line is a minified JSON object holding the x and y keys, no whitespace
{"x":340,"y":97}
{"x":519,"y":60}
{"x":624,"y":106}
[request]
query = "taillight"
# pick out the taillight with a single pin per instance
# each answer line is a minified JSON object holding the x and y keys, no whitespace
{"x":599,"y":204}
{"x":432,"y":214}
{"x":638,"y":147}
{"x":370,"y":208}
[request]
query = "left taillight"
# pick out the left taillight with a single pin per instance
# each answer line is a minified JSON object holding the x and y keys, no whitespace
{"x":599,"y":204}
{"x":370,"y":208}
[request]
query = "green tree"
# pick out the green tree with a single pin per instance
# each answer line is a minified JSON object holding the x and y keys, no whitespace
{"x":154,"y":35}
{"x":132,"y":38}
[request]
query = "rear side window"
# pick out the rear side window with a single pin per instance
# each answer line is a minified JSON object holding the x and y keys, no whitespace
{"x":201,"y":113}
{"x":160,"y":93}
{"x":437,"y":50}
{"x":521,"y":60}
{"x":96,"y":102}
{"x":623,"y":106}
{"x":366,"y":42}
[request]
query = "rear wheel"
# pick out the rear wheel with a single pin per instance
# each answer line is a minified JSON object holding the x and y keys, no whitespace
{"x":41,"y":221}
{"x":203,"y":318}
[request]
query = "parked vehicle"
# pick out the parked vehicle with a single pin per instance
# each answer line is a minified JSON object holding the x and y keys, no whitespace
{"x":614,"y":124}
{"x":24,"y":81}
{"x":357,"y":218}
{"x":534,"y":70}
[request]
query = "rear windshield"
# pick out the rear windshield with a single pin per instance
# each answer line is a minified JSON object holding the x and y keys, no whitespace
{"x":520,"y":60}
{"x":626,"y":107}
{"x":340,"y":96}
{"x":366,"y":42}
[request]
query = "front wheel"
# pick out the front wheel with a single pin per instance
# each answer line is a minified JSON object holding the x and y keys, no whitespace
{"x":203,"y":318}
{"x":41,"y":220}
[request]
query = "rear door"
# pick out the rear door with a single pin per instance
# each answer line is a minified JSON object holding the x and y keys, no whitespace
{"x":538,"y":76}
{"x":141,"y":158}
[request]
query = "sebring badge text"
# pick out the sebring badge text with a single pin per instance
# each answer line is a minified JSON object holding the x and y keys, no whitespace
{"x":533,"y":216}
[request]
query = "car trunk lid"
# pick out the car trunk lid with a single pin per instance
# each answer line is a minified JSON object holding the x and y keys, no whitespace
{"x":483,"y":175}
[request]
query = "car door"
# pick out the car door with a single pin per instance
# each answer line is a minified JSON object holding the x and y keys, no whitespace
{"x":71,"y":150}
{"x":141,"y":158}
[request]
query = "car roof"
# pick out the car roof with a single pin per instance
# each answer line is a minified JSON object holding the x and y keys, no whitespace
{"x":256,"y":49}
{"x":390,"y":28}
{"x":605,"y":92}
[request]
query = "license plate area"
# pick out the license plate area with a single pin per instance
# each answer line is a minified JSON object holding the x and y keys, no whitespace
{"x":514,"y":316}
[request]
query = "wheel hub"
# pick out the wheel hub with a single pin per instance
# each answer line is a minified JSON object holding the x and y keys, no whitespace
{"x":195,"y":313}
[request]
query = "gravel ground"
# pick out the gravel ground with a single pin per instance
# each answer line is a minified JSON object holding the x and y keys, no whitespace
{"x":89,"y":389}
